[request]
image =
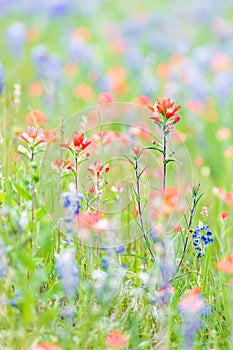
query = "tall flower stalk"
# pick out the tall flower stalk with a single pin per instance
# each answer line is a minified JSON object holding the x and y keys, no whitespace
{"x":135,"y":163}
{"x":164,"y":159}
{"x":195,"y":199}
{"x":78,"y":144}
{"x":164,"y":115}
{"x":34,"y":142}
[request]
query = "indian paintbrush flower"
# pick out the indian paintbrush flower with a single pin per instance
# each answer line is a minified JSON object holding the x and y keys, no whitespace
{"x":79,"y":143}
{"x":165,"y":111}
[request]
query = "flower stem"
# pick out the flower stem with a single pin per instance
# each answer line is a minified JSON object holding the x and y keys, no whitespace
{"x":76,"y":176}
{"x":164,"y":159}
{"x":140,"y":209}
{"x":32,"y":194}
{"x":59,"y":187}
{"x":187,"y":236}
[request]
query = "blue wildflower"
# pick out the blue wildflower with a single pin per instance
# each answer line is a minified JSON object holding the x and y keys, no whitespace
{"x":47,"y":66}
{"x":120,"y":249}
{"x":77,"y":209}
{"x":67,"y":271}
{"x":124,"y":266}
{"x":105,"y":263}
{"x":202,"y":237}
{"x":16,"y":38}
{"x":57,"y":8}
{"x":66,"y":202}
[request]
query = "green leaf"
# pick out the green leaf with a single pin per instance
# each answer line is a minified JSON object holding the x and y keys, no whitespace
{"x":168,"y":160}
{"x":129,"y":161}
{"x":21,"y":191}
{"x":39,"y":213}
{"x":23,"y":154}
{"x":136,"y":195}
{"x":155,"y":149}
{"x":140,"y":174}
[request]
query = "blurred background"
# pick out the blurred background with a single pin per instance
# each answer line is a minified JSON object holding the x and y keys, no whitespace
{"x":68,"y":55}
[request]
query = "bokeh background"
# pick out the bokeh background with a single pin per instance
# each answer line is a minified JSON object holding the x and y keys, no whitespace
{"x":61,"y":58}
{"x":69,"y":55}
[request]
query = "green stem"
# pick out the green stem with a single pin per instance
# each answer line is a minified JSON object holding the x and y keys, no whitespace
{"x":32,"y":194}
{"x":140,"y":209}
{"x":164,"y":159}
{"x":187,"y":236}
{"x":76,"y":176}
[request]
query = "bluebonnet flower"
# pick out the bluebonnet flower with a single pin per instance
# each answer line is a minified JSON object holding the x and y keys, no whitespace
{"x":103,"y":84}
{"x":72,"y":203}
{"x":16,"y":38}
{"x":104,"y":248}
{"x":67,"y":271}
{"x":105,"y":263}
{"x":72,"y":207}
{"x":191,"y":327}
{"x":39,"y":55}
{"x":78,"y":208}
{"x":222,"y":86}
{"x":66,"y":202}
{"x":81,"y":51}
{"x":59,"y":8}
{"x":202,"y":237}
{"x":133,"y":58}
{"x":1,"y":79}
{"x":47,"y":66}
{"x":120,"y":249}
{"x":124,"y":266}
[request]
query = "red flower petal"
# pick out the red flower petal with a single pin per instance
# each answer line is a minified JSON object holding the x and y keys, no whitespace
{"x":77,"y":139}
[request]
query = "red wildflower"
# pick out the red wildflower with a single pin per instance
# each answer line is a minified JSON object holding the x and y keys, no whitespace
{"x":192,"y":303}
{"x":32,"y":135}
{"x":97,"y":169}
{"x":226,"y":264}
{"x":116,"y":339}
{"x":36,"y":89}
{"x":36,"y":117}
{"x":45,"y":346}
{"x":106,"y":97}
{"x":50,"y":135}
{"x":142,"y":100}
{"x":90,"y":218}
{"x":136,"y":150}
{"x":79,"y":143}
{"x":165,"y":107}
{"x":224,"y":215}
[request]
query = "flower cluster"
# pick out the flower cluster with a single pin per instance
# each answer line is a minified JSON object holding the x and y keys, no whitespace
{"x":79,"y":143}
{"x":165,"y":111}
{"x":34,"y":140}
{"x":33,"y":136}
{"x":97,"y":176}
{"x":202,"y":237}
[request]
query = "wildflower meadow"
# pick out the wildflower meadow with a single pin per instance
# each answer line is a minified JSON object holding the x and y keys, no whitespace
{"x":116,"y":164}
